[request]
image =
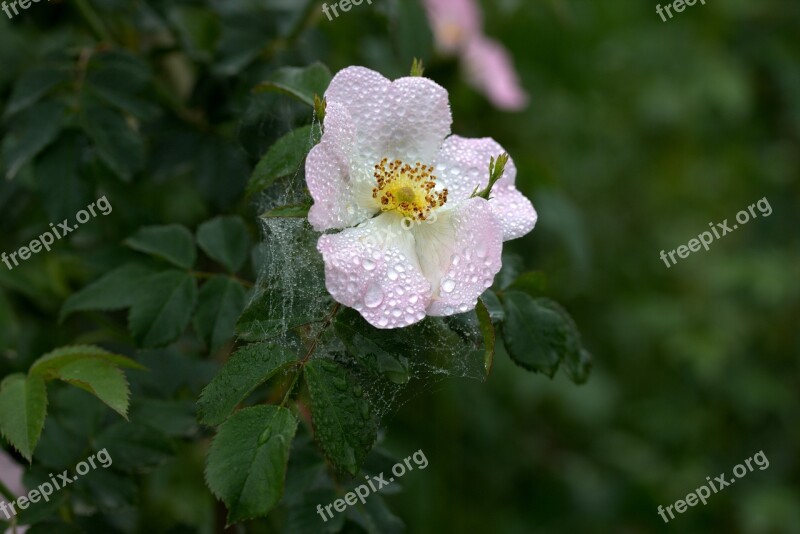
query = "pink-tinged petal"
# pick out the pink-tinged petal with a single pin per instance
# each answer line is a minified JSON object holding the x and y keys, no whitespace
{"x":463,"y":164}
{"x":490,"y":69}
{"x":513,"y":210}
{"x":418,"y":121}
{"x":373,"y":269}
{"x":365,"y":95}
{"x":454,"y":22}
{"x":460,"y":254}
{"x":407,"y":119}
{"x":341,"y":193}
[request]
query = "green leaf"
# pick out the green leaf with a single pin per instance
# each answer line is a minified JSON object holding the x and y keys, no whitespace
{"x":247,"y":461}
{"x":225,"y":239}
{"x":375,"y":517}
{"x":114,"y":291}
{"x":102,"y":379}
{"x":173,"y":243}
{"x":579,"y":366}
{"x":48,"y":366}
{"x":247,"y":369}
{"x":118,"y":78}
{"x":494,"y":306}
{"x":135,"y":448}
{"x":284,"y":158}
{"x":455,"y":343}
{"x":221,"y":302}
{"x":30,"y":133}
{"x":162,"y":308}
{"x":269,"y":314}
{"x":23,"y":408}
{"x":534,"y":283}
{"x":198,"y":29}
{"x":536,"y":334}
{"x":59,"y":179}
{"x":91,"y":369}
{"x":301,"y":83}
{"x":117,"y":144}
{"x":32,"y":86}
{"x":292,"y":212}
{"x":343,"y":420}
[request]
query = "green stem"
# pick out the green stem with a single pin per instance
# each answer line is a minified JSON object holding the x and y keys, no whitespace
{"x":310,"y":352}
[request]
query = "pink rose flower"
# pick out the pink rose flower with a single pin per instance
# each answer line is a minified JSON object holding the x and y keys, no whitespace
{"x":458,"y":29}
{"x":387,"y":172}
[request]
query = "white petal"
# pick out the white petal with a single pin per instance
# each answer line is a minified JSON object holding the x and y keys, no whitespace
{"x":407,"y":119}
{"x":373,"y":268}
{"x":336,"y":180}
{"x":463,"y":164}
{"x":460,"y":254}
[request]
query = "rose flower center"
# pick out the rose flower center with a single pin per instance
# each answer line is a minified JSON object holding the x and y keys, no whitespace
{"x":407,"y":189}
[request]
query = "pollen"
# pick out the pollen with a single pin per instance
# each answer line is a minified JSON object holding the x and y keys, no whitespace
{"x":408,"y":189}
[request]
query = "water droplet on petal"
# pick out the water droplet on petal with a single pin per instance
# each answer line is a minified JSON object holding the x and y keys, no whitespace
{"x":369,"y":265}
{"x":448,"y":285}
{"x":374,"y":296}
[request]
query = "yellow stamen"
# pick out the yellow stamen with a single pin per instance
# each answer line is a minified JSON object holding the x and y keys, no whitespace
{"x":407,"y":189}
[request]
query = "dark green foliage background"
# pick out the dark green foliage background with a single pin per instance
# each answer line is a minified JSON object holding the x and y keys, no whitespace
{"x":639,"y":134}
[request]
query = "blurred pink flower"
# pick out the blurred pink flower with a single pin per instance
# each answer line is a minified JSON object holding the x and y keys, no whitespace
{"x":413,"y":243}
{"x":458,"y":28}
{"x":11,"y":474}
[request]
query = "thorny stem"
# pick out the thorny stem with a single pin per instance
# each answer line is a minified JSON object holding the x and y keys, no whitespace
{"x":311,"y":349}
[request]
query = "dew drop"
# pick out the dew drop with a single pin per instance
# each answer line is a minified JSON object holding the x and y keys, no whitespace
{"x":373,"y":296}
{"x":340,"y":383}
{"x":448,"y":285}
{"x":264,"y":437}
{"x":369,"y":265}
